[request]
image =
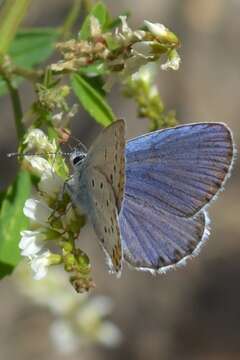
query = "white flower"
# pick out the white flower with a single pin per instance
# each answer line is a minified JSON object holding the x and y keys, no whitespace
{"x":37,"y":211}
{"x":108,"y":334}
{"x":53,"y":291}
{"x":146,"y":73}
{"x":50,"y":184}
{"x":37,"y":139}
{"x":125,"y":34}
{"x":125,"y":28}
{"x":133,"y":64}
{"x":31,"y":242}
{"x":37,"y":165}
{"x":173,"y":62}
{"x":40,"y":264}
{"x":102,"y":305}
{"x":143,"y":48}
{"x":156,"y":28}
{"x":64,"y":338}
{"x":94,"y":310}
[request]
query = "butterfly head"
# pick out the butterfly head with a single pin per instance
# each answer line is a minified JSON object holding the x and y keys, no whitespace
{"x":77,"y":157}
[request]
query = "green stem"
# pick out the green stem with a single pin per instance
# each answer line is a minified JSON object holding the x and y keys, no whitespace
{"x":71,"y":18}
{"x":32,"y":75}
{"x":17,"y":108}
{"x":11,"y":15}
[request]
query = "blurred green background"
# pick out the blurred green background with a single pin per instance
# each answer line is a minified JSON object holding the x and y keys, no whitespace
{"x":194,"y":312}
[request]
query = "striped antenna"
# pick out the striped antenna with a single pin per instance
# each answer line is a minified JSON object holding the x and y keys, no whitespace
{"x":38,"y":154}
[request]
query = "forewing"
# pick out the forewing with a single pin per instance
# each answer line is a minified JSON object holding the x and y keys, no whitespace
{"x":100,"y":204}
{"x":107,"y":155}
{"x":179,"y":170}
{"x":157,"y":241}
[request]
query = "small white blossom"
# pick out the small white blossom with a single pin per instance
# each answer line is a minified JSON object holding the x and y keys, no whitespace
{"x":53,"y":292}
{"x":37,"y":139}
{"x":139,"y":34}
{"x":40,"y":264}
{"x":146,"y":73}
{"x":109,"y":334}
{"x":133,"y":64}
{"x":125,"y":34}
{"x":95,"y":308}
{"x":64,"y":337}
{"x":172,"y":63}
{"x":50,"y":184}
{"x":70,"y":330}
{"x":125,"y":28}
{"x":37,"y":165}
{"x":31,"y":242}
{"x":37,"y":211}
{"x":143,"y":48}
{"x":156,"y":28}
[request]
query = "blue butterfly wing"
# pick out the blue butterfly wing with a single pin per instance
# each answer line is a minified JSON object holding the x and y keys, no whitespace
{"x":155,"y":240}
{"x":179,"y":170}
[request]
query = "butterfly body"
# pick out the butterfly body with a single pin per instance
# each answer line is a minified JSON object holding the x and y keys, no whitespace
{"x":147,"y":200}
{"x":97,"y":188}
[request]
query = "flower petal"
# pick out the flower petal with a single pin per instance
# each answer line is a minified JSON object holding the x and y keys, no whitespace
{"x":37,"y":165}
{"x":36,"y":138}
{"x":156,"y":28}
{"x":109,"y":334}
{"x":31,"y":242}
{"x":37,"y":211}
{"x":39,"y":265}
{"x":64,"y":337}
{"x":50,"y":184}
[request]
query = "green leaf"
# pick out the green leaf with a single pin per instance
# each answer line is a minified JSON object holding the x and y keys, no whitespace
{"x":92,"y":101}
{"x":101,"y":13}
{"x":96,"y":83}
{"x":93,"y":70}
{"x":11,"y":15}
{"x":31,"y":47}
{"x":12,"y":221}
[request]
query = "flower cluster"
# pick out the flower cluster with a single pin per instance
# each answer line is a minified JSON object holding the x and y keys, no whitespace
{"x":140,"y":87}
{"x":54,"y":225}
{"x":51,"y":106}
{"x":119,"y":53}
{"x":77,"y":320}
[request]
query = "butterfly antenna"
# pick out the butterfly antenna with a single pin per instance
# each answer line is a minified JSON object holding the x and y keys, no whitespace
{"x":38,"y":154}
{"x":79,"y":143}
{"x":70,"y":147}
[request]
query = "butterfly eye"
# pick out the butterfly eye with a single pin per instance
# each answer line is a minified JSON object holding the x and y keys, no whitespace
{"x":78,"y":159}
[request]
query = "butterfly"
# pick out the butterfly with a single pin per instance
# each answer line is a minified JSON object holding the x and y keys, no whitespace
{"x":147,"y":198}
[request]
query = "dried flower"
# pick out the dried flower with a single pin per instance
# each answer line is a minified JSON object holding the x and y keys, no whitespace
{"x":121,"y":53}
